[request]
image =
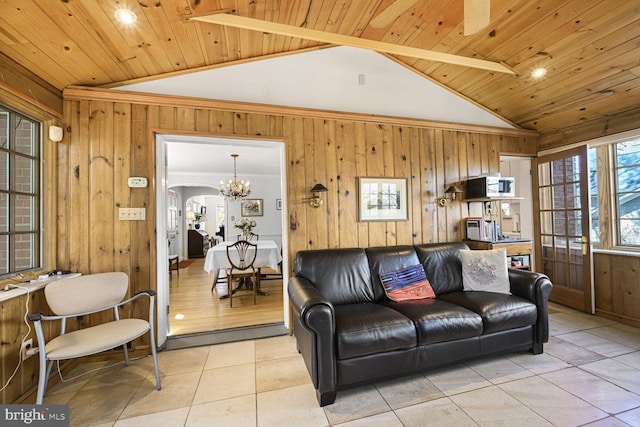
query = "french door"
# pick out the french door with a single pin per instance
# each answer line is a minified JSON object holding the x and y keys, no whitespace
{"x":562,"y":226}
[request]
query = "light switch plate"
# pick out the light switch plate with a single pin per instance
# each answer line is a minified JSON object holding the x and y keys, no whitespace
{"x":132,"y":214}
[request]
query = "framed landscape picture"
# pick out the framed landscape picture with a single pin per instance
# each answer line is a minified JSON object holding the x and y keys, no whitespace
{"x":251,"y":207}
{"x":382,"y":199}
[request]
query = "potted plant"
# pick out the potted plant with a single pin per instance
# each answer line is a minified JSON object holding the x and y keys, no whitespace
{"x":245,"y":225}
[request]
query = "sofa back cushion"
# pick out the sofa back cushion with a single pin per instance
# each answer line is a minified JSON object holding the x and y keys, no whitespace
{"x":442,"y":264}
{"x":341,"y":275}
{"x":389,"y":258}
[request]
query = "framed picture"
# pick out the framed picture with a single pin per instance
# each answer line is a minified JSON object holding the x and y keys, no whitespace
{"x":279,"y":204}
{"x":251,"y":207}
{"x":382,"y":199}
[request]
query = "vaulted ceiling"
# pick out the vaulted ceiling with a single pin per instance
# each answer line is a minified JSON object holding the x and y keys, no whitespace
{"x":591,"y":48}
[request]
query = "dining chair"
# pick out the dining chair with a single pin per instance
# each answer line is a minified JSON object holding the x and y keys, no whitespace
{"x":241,"y":256}
{"x":82,"y":296}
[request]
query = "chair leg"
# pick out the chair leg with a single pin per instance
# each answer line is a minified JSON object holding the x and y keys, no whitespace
{"x":126,"y":354}
{"x":154,"y":354}
{"x":229,"y":290}
{"x":256,"y":286}
{"x":42,"y":378}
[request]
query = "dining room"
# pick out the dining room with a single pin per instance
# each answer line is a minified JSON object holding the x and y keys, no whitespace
{"x":202,"y":222}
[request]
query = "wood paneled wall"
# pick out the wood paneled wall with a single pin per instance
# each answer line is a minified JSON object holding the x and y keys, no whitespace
{"x":617,"y":294}
{"x":109,"y":136}
{"x":109,"y":140}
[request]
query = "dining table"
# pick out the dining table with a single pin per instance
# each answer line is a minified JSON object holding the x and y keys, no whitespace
{"x":268,"y":255}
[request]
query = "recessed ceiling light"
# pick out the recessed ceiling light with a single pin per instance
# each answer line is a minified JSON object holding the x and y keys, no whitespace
{"x":125,"y":16}
{"x":538,"y":73}
{"x":179,"y":316}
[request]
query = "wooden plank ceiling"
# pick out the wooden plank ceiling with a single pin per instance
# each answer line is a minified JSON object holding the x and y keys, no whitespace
{"x":590,"y":47}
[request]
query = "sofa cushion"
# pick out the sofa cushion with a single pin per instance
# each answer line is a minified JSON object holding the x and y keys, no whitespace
{"x":442,"y":264}
{"x":499,"y":312}
{"x":388,"y":258}
{"x":439,"y":321}
{"x":485,"y":270}
{"x":341,"y":275}
{"x":367,"y":328}
{"x":407,"y":283}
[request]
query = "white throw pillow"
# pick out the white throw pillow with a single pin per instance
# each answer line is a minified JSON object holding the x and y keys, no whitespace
{"x":485,"y":270}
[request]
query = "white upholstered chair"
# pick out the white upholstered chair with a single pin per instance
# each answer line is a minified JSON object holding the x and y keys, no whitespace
{"x":84,"y":295}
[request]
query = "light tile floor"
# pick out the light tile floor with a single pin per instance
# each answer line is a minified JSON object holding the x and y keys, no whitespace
{"x":589,"y":375}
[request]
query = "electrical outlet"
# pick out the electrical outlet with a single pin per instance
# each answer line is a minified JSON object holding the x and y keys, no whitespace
{"x":25,"y":347}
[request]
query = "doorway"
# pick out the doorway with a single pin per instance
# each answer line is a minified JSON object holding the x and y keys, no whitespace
{"x":561,"y":183}
{"x":193,"y":166}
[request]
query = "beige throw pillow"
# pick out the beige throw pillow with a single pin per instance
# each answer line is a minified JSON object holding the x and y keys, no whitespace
{"x":485,"y":270}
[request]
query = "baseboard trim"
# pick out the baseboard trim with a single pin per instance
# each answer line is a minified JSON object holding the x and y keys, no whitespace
{"x":225,"y":336}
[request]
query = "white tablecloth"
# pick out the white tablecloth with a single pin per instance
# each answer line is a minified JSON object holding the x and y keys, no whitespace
{"x":268,"y":256}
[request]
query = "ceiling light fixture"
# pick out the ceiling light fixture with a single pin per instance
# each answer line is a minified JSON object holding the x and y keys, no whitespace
{"x":235,"y":190}
{"x":539,"y":73}
{"x":125,"y":16}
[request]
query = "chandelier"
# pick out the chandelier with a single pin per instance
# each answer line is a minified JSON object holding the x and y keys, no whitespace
{"x":234,"y":190}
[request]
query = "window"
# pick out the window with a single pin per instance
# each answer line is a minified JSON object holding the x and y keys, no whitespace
{"x":627,"y":192}
{"x":20,"y":235}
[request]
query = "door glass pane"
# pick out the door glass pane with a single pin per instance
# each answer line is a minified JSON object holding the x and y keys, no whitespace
{"x":557,"y":171}
{"x":574,"y":223}
{"x":545,"y":198}
{"x":558,"y":196}
{"x":562,"y":274}
{"x":573,"y":195}
{"x":560,"y":249}
{"x":559,"y":223}
{"x":546,"y":225}
{"x":572,"y":169}
{"x":543,"y":174}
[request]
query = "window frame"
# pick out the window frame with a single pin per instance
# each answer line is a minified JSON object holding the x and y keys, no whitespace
{"x":607,"y":185}
{"x":11,"y":192}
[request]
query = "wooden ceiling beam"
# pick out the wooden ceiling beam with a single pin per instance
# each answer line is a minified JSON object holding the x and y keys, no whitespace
{"x":343,"y":40}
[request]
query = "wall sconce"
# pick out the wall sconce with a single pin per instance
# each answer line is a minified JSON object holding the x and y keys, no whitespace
{"x":315,"y":199}
{"x":453,"y":190}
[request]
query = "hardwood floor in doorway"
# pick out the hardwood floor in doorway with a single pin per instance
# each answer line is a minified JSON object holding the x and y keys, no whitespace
{"x":200,"y":309}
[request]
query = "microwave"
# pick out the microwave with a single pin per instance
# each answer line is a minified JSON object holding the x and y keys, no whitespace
{"x":491,"y":186}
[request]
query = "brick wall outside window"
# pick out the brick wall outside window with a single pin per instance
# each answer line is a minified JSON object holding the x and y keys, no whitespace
{"x":19,"y":192}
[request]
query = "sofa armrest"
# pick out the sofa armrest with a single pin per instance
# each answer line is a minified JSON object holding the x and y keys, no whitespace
{"x":316,"y":342}
{"x":535,"y":287}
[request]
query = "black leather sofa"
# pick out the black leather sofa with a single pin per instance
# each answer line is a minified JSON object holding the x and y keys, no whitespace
{"x":349,"y":333}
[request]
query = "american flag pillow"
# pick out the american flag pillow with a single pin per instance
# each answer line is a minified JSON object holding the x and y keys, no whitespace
{"x":408,"y":283}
